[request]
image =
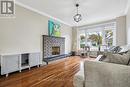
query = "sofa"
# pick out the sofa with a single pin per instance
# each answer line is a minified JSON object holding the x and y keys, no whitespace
{"x":102,"y":74}
{"x":108,"y":70}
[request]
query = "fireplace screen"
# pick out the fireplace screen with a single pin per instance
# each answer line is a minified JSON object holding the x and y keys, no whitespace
{"x":56,"y":50}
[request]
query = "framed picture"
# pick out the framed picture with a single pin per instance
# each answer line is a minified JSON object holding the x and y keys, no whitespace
{"x":54,"y":28}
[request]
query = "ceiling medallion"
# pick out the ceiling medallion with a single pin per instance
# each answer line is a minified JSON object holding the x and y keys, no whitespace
{"x":78,"y":16}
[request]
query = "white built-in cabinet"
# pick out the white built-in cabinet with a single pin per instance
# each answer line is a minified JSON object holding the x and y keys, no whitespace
{"x":9,"y":63}
{"x":34,"y":59}
{"x":18,"y":62}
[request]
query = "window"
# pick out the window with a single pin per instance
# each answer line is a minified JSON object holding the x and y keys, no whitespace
{"x":94,"y":39}
{"x":82,"y":40}
{"x":109,"y":37}
{"x":98,"y":37}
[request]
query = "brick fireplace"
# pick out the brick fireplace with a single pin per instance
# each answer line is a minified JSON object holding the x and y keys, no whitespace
{"x":53,"y":47}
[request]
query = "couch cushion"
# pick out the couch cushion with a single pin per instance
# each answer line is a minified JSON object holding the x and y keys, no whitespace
{"x":100,"y":74}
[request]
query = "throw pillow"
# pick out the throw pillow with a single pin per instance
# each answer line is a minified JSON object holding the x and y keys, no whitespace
{"x":124,"y":48}
{"x":104,"y":56}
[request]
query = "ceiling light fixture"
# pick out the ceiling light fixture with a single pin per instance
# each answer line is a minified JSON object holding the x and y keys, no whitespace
{"x":78,"y":16}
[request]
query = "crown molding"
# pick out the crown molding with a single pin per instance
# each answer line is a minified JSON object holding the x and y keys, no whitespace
{"x":41,"y":13}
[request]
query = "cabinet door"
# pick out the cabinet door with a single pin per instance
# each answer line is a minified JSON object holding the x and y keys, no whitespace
{"x":10,"y":63}
{"x":34,"y":59}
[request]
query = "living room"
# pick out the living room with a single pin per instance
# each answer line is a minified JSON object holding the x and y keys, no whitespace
{"x":49,"y":44}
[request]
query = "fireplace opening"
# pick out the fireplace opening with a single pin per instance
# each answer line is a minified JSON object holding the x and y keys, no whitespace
{"x":55,"y":50}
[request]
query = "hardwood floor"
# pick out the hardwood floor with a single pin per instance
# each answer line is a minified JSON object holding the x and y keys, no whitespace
{"x":57,"y":74}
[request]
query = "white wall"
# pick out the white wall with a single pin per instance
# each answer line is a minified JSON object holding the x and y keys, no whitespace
{"x":67,"y":33}
{"x":75,"y":39}
{"x":121,"y":31}
{"x":128,"y":25}
{"x":24,"y":33}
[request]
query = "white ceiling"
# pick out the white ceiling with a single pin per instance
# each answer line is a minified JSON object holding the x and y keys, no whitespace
{"x":64,"y":10}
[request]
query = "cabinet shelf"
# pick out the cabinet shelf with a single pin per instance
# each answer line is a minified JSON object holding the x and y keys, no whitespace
{"x":25,"y":60}
{"x":25,"y":66}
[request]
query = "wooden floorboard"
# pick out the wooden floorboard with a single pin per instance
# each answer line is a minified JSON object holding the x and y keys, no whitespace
{"x":57,"y":74}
